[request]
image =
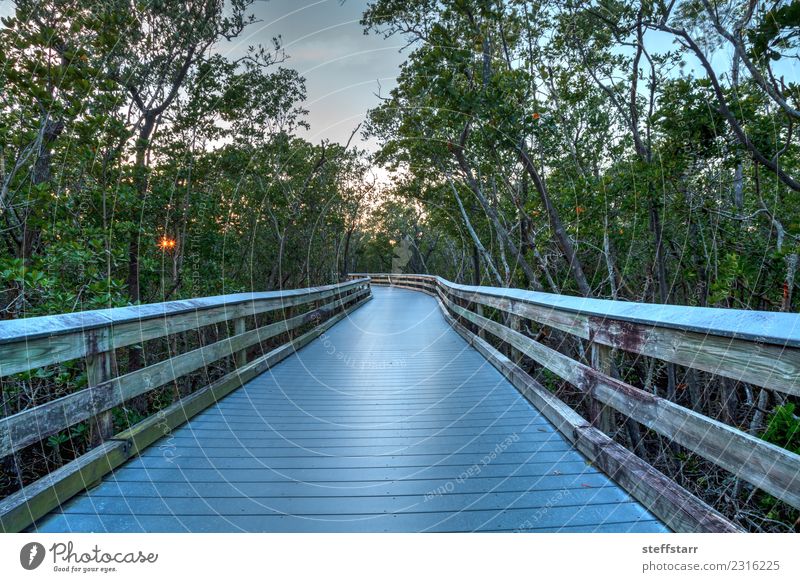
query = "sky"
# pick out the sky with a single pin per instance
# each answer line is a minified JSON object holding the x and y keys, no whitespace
{"x":343,"y":68}
{"x":325,"y":43}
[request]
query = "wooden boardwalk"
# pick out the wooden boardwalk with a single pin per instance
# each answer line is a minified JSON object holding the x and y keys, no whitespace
{"x":389,"y":422}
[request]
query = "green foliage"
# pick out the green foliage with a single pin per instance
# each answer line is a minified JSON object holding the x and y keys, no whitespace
{"x":79,"y":432}
{"x":249,"y":206}
{"x":777,"y":30}
{"x":124,"y":418}
{"x":56,"y":441}
{"x":729,"y":271}
{"x":15,"y":270}
{"x":783,"y":428}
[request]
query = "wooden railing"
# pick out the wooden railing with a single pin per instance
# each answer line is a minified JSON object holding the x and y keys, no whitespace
{"x":94,"y":337}
{"x":759,"y":348}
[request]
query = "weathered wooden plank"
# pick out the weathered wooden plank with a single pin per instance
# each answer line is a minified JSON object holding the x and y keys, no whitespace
{"x":584,"y":521}
{"x":479,"y":311}
{"x":34,"y":424}
{"x":34,"y":342}
{"x":602,"y":416}
{"x":21,"y":509}
{"x":761,"y":364}
{"x":678,"y":508}
{"x":99,"y":369}
{"x":781,"y":329}
{"x":769,"y":467}
{"x":759,"y":360}
{"x":515,"y":323}
{"x":239,"y":327}
{"x":571,"y":462}
{"x":289,"y":488}
{"x":358,"y":504}
{"x":33,"y":327}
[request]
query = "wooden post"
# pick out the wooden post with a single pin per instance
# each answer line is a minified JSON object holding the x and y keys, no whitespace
{"x":100,"y":368}
{"x":320,"y":304}
{"x":602,"y":417}
{"x":313,"y":307}
{"x":288,"y":313}
{"x":515,"y":323}
{"x":479,"y":311}
{"x":239,"y":327}
{"x":172,"y":343}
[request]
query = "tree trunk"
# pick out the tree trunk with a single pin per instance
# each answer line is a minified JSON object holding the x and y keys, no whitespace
{"x":346,"y":253}
{"x":141,"y":182}
{"x":562,"y":239}
{"x":474,"y":235}
{"x":501,"y":231}
{"x":135,"y":359}
{"x":476,"y":265}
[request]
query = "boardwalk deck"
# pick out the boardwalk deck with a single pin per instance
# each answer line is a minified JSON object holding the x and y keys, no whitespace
{"x":389,"y":422}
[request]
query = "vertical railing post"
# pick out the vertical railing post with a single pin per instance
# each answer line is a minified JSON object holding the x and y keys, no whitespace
{"x":288,"y":313}
{"x":239,"y":327}
{"x":339,"y":296}
{"x":602,"y":417}
{"x":515,"y":323}
{"x":479,"y":311}
{"x":312,"y":309}
{"x":99,"y":368}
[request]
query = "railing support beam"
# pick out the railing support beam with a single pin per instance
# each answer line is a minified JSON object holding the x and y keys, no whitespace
{"x":99,"y":369}
{"x":239,"y":327}
{"x":602,"y":416}
{"x":515,"y":323}
{"x":479,"y":311}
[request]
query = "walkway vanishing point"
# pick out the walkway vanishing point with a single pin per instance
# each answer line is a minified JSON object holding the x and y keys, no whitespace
{"x":406,"y":412}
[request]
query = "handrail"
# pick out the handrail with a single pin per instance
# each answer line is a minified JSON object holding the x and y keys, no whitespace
{"x":34,"y":342}
{"x":759,"y":326}
{"x":715,"y":343}
{"x":95,"y":336}
{"x":52,"y":325}
{"x":756,"y":347}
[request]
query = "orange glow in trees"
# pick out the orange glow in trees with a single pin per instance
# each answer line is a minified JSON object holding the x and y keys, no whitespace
{"x":165,"y":243}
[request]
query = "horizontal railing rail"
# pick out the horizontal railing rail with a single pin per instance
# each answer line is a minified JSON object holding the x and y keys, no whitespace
{"x":93,"y":337}
{"x":757,"y":347}
{"x":754,"y":347}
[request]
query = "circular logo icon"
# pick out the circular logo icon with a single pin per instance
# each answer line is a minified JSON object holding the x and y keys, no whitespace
{"x":31,"y":555}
